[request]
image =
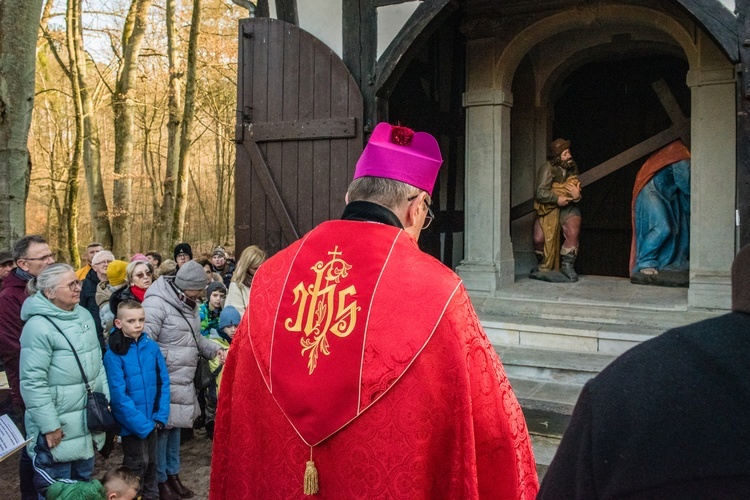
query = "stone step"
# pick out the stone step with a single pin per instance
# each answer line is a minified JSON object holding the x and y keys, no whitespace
{"x":547,"y":406}
{"x":610,"y":313}
{"x":593,"y":299}
{"x":547,"y":383}
{"x":546,"y":365}
{"x":565,"y":335}
{"x":544,"y":451}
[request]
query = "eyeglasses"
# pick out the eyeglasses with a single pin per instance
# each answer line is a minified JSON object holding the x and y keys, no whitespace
{"x":430,"y":214}
{"x":142,"y":275}
{"x":43,"y":257}
{"x":75,"y":285}
{"x":104,"y":263}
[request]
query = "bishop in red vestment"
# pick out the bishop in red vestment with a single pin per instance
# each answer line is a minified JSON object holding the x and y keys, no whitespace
{"x":360,"y":369}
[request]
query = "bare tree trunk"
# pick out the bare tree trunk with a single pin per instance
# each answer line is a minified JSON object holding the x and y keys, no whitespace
{"x":91,"y":145}
{"x":122,"y":105}
{"x":19,"y":26}
{"x":174,"y":127}
{"x":178,"y":222}
{"x":72,"y":22}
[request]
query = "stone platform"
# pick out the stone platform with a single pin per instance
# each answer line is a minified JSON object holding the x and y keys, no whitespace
{"x":553,"y":337}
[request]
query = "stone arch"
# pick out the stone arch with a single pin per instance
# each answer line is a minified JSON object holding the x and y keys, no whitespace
{"x":708,"y":44}
{"x":550,"y":80}
{"x":549,"y":27}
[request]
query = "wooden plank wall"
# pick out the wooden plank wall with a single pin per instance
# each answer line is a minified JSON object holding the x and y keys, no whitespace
{"x":743,"y":123}
{"x":286,"y":77}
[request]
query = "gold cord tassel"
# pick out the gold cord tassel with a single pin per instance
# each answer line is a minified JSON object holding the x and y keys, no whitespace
{"x":311,"y":477}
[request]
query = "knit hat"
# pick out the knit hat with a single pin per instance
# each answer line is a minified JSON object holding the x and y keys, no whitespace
{"x":6,"y":257}
{"x":183,"y":248}
{"x":191,"y":276}
{"x":229,"y":317}
{"x":219,"y":251}
{"x":139,"y":257}
{"x":398,"y":153}
{"x":741,"y":281}
{"x":213,"y":286}
{"x":557,"y":147}
{"x":116,"y":272}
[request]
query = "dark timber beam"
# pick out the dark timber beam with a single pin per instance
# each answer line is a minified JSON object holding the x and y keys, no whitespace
{"x":383,"y":3}
{"x":718,"y":22}
{"x":272,"y":192}
{"x":360,"y":45}
{"x":286,"y":10}
{"x":420,"y":26}
{"x":303,"y":130}
{"x":743,"y":122}
{"x":262,"y":9}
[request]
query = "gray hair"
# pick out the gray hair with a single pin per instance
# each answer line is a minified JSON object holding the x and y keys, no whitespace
{"x":21,"y":246}
{"x":387,"y":192}
{"x":49,"y":279}
{"x":130,"y":269}
{"x":101,"y":255}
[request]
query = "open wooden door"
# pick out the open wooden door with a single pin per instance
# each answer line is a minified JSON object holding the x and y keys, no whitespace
{"x":298,"y":134}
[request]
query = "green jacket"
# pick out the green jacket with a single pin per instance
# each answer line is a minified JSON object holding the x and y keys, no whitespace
{"x":76,"y":491}
{"x":51,"y":383}
{"x":214,"y":364}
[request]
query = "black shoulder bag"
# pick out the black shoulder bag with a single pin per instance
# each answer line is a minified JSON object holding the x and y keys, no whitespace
{"x":98,"y":415}
{"x":203,"y":379}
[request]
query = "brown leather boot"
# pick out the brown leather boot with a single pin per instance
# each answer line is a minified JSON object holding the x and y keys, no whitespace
{"x":166,"y":493}
{"x":178,"y":487}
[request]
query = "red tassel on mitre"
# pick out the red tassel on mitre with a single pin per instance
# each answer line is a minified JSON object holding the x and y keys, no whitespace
{"x":401,"y":135}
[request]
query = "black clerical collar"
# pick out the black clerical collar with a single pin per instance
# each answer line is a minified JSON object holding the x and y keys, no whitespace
{"x":370,"y":212}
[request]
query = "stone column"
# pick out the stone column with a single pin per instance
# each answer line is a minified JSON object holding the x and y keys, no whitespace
{"x":712,"y":184}
{"x":488,"y":262}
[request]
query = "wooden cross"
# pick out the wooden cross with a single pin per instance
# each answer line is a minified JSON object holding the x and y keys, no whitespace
{"x":680,"y":129}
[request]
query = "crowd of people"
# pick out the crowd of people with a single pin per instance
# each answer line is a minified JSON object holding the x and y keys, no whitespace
{"x":348,"y":365}
{"x":131,"y":330}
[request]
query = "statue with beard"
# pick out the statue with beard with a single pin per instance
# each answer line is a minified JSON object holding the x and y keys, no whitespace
{"x":556,"y":204}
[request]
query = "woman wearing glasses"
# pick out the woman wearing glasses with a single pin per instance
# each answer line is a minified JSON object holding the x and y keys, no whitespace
{"x":138,"y":275}
{"x":239,"y":289}
{"x":52,"y":386}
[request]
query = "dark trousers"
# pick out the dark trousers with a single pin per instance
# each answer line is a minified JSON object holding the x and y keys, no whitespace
{"x":25,"y":465}
{"x":140,"y":457}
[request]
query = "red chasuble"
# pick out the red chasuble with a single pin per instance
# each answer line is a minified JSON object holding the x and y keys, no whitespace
{"x":365,"y":352}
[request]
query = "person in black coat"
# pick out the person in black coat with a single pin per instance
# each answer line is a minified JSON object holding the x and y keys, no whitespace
{"x":98,"y":273}
{"x":670,"y":418}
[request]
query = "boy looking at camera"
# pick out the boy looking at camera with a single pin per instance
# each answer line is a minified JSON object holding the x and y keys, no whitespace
{"x":139,"y":392}
{"x":210,"y":310}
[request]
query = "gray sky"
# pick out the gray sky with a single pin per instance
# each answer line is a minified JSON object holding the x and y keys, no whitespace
{"x":729,"y":4}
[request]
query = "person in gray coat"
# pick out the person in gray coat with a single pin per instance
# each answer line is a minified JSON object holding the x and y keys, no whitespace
{"x":171,"y":307}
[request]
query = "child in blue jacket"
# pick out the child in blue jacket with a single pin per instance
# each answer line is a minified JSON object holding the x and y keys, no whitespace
{"x":139,"y":392}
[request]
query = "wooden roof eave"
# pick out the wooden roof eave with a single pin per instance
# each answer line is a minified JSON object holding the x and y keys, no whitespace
{"x":718,"y":22}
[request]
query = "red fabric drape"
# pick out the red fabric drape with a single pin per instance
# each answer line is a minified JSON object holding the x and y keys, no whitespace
{"x":439,"y":418}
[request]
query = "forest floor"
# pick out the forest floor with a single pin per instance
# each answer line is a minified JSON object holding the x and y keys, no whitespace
{"x":195,"y":466}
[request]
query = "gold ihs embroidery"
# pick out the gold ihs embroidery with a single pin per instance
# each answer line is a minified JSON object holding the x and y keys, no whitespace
{"x":315,"y":313}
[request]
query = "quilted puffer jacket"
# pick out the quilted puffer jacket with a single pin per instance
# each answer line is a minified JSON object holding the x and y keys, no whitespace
{"x":176,"y":327}
{"x":138,"y":382}
{"x":51,"y":382}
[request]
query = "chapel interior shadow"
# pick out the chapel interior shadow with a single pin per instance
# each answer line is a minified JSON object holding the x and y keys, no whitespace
{"x":427,"y":98}
{"x":605,"y":108}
